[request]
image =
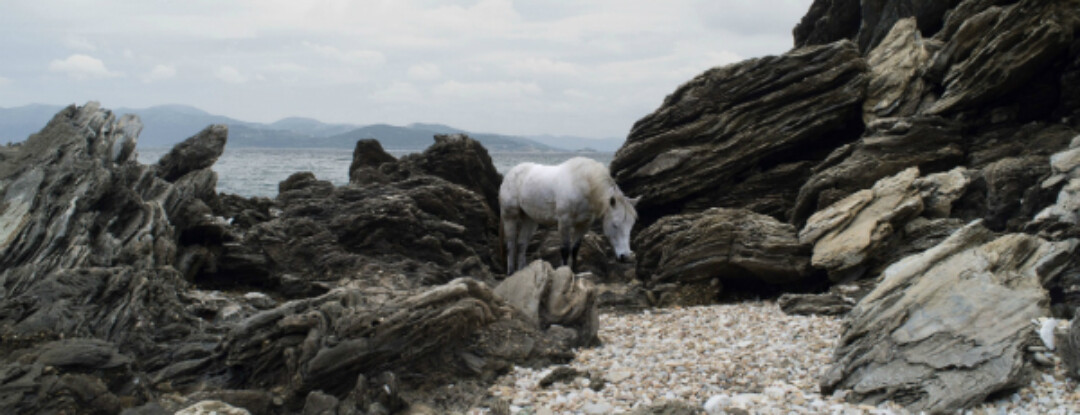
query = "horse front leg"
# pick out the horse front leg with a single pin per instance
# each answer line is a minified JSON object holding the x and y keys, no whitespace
{"x":510,"y":235}
{"x":579,"y":234}
{"x":566,"y":235}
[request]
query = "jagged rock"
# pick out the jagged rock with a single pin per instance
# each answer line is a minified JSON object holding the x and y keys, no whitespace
{"x":313,"y":344}
{"x":737,"y":121}
{"x":828,"y":304}
{"x":896,"y":87}
{"x":548,"y":296}
{"x":846,"y":235}
{"x":867,"y":21}
{"x":828,"y":21}
{"x":462,"y":161}
{"x":1002,"y":50}
{"x":889,"y":146}
{"x":948,"y":327}
{"x":725,"y":245}
{"x":196,"y":153}
{"x":367,"y":157}
{"x":1062,"y":217}
{"x":422,"y":230}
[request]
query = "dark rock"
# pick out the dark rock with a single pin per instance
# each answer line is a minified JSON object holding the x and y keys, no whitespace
{"x":1002,"y":52}
{"x":828,"y":304}
{"x":732,"y":122}
{"x":726,"y":245}
{"x":943,"y":343}
{"x":1070,"y":349}
{"x":196,"y":153}
{"x":313,"y":344}
{"x":868,"y":21}
{"x":828,"y":21}
{"x":318,"y":403}
{"x":462,"y":161}
{"x":367,"y":157}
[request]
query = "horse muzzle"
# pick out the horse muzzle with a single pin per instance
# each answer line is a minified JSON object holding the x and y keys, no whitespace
{"x":627,"y":257}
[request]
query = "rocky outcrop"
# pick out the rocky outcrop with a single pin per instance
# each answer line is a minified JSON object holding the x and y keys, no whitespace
{"x":1001,"y":50}
{"x":454,"y":157}
{"x":760,"y":116}
{"x":948,"y":327}
{"x":718,"y":247}
{"x":861,"y":231}
{"x":367,"y":293}
{"x":867,"y":21}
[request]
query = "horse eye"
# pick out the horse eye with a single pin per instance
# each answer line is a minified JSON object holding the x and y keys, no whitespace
{"x":613,"y":202}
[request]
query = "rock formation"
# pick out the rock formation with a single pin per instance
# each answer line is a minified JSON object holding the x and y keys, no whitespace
{"x":720,"y":247}
{"x":744,"y":135}
{"x":948,"y":327}
{"x":926,"y":116}
{"x":349,"y":299}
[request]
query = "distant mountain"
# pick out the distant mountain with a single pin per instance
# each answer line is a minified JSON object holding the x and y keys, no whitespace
{"x":16,"y":124}
{"x":607,"y":145}
{"x":166,"y":125}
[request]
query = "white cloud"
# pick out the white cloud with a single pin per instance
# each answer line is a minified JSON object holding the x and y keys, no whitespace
{"x":398,"y":92}
{"x":356,"y":56}
{"x":230,"y":74}
{"x":159,"y":73}
{"x":425,"y":72}
{"x":81,"y":66}
{"x":487,"y":90}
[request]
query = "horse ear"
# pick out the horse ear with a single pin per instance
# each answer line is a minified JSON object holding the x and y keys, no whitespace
{"x":633,"y":200}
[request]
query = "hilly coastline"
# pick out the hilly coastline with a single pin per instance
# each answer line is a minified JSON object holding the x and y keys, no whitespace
{"x":167,"y":125}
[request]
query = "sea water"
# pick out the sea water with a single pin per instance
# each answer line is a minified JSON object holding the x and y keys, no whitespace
{"x":257,"y":171}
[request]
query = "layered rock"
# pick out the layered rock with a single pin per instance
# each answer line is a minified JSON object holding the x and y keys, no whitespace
{"x":867,"y":21}
{"x":106,"y":263}
{"x":764,"y":115}
{"x":948,"y":327}
{"x":709,"y":249}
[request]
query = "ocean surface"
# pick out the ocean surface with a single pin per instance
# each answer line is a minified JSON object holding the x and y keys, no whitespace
{"x":257,"y":171}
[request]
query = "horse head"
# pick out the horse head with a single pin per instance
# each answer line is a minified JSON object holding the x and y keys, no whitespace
{"x":618,"y":222}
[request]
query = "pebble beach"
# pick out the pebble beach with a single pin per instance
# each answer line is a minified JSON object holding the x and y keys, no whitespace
{"x":748,"y":357}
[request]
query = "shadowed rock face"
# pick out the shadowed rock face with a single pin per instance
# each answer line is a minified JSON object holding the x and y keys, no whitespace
{"x":720,"y":247}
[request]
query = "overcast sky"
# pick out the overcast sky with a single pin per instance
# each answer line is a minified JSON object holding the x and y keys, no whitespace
{"x":563,"y":67}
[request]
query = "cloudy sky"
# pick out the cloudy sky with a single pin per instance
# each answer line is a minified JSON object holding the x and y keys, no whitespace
{"x":564,"y":67}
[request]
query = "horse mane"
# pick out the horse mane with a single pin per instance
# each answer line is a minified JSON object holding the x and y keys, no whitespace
{"x":600,"y":183}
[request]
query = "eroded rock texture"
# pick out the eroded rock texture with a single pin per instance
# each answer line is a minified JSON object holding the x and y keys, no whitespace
{"x":948,"y":327}
{"x":760,"y":119}
{"x":353,"y":299}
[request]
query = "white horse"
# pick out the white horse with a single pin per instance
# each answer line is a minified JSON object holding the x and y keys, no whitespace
{"x":572,"y":195}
